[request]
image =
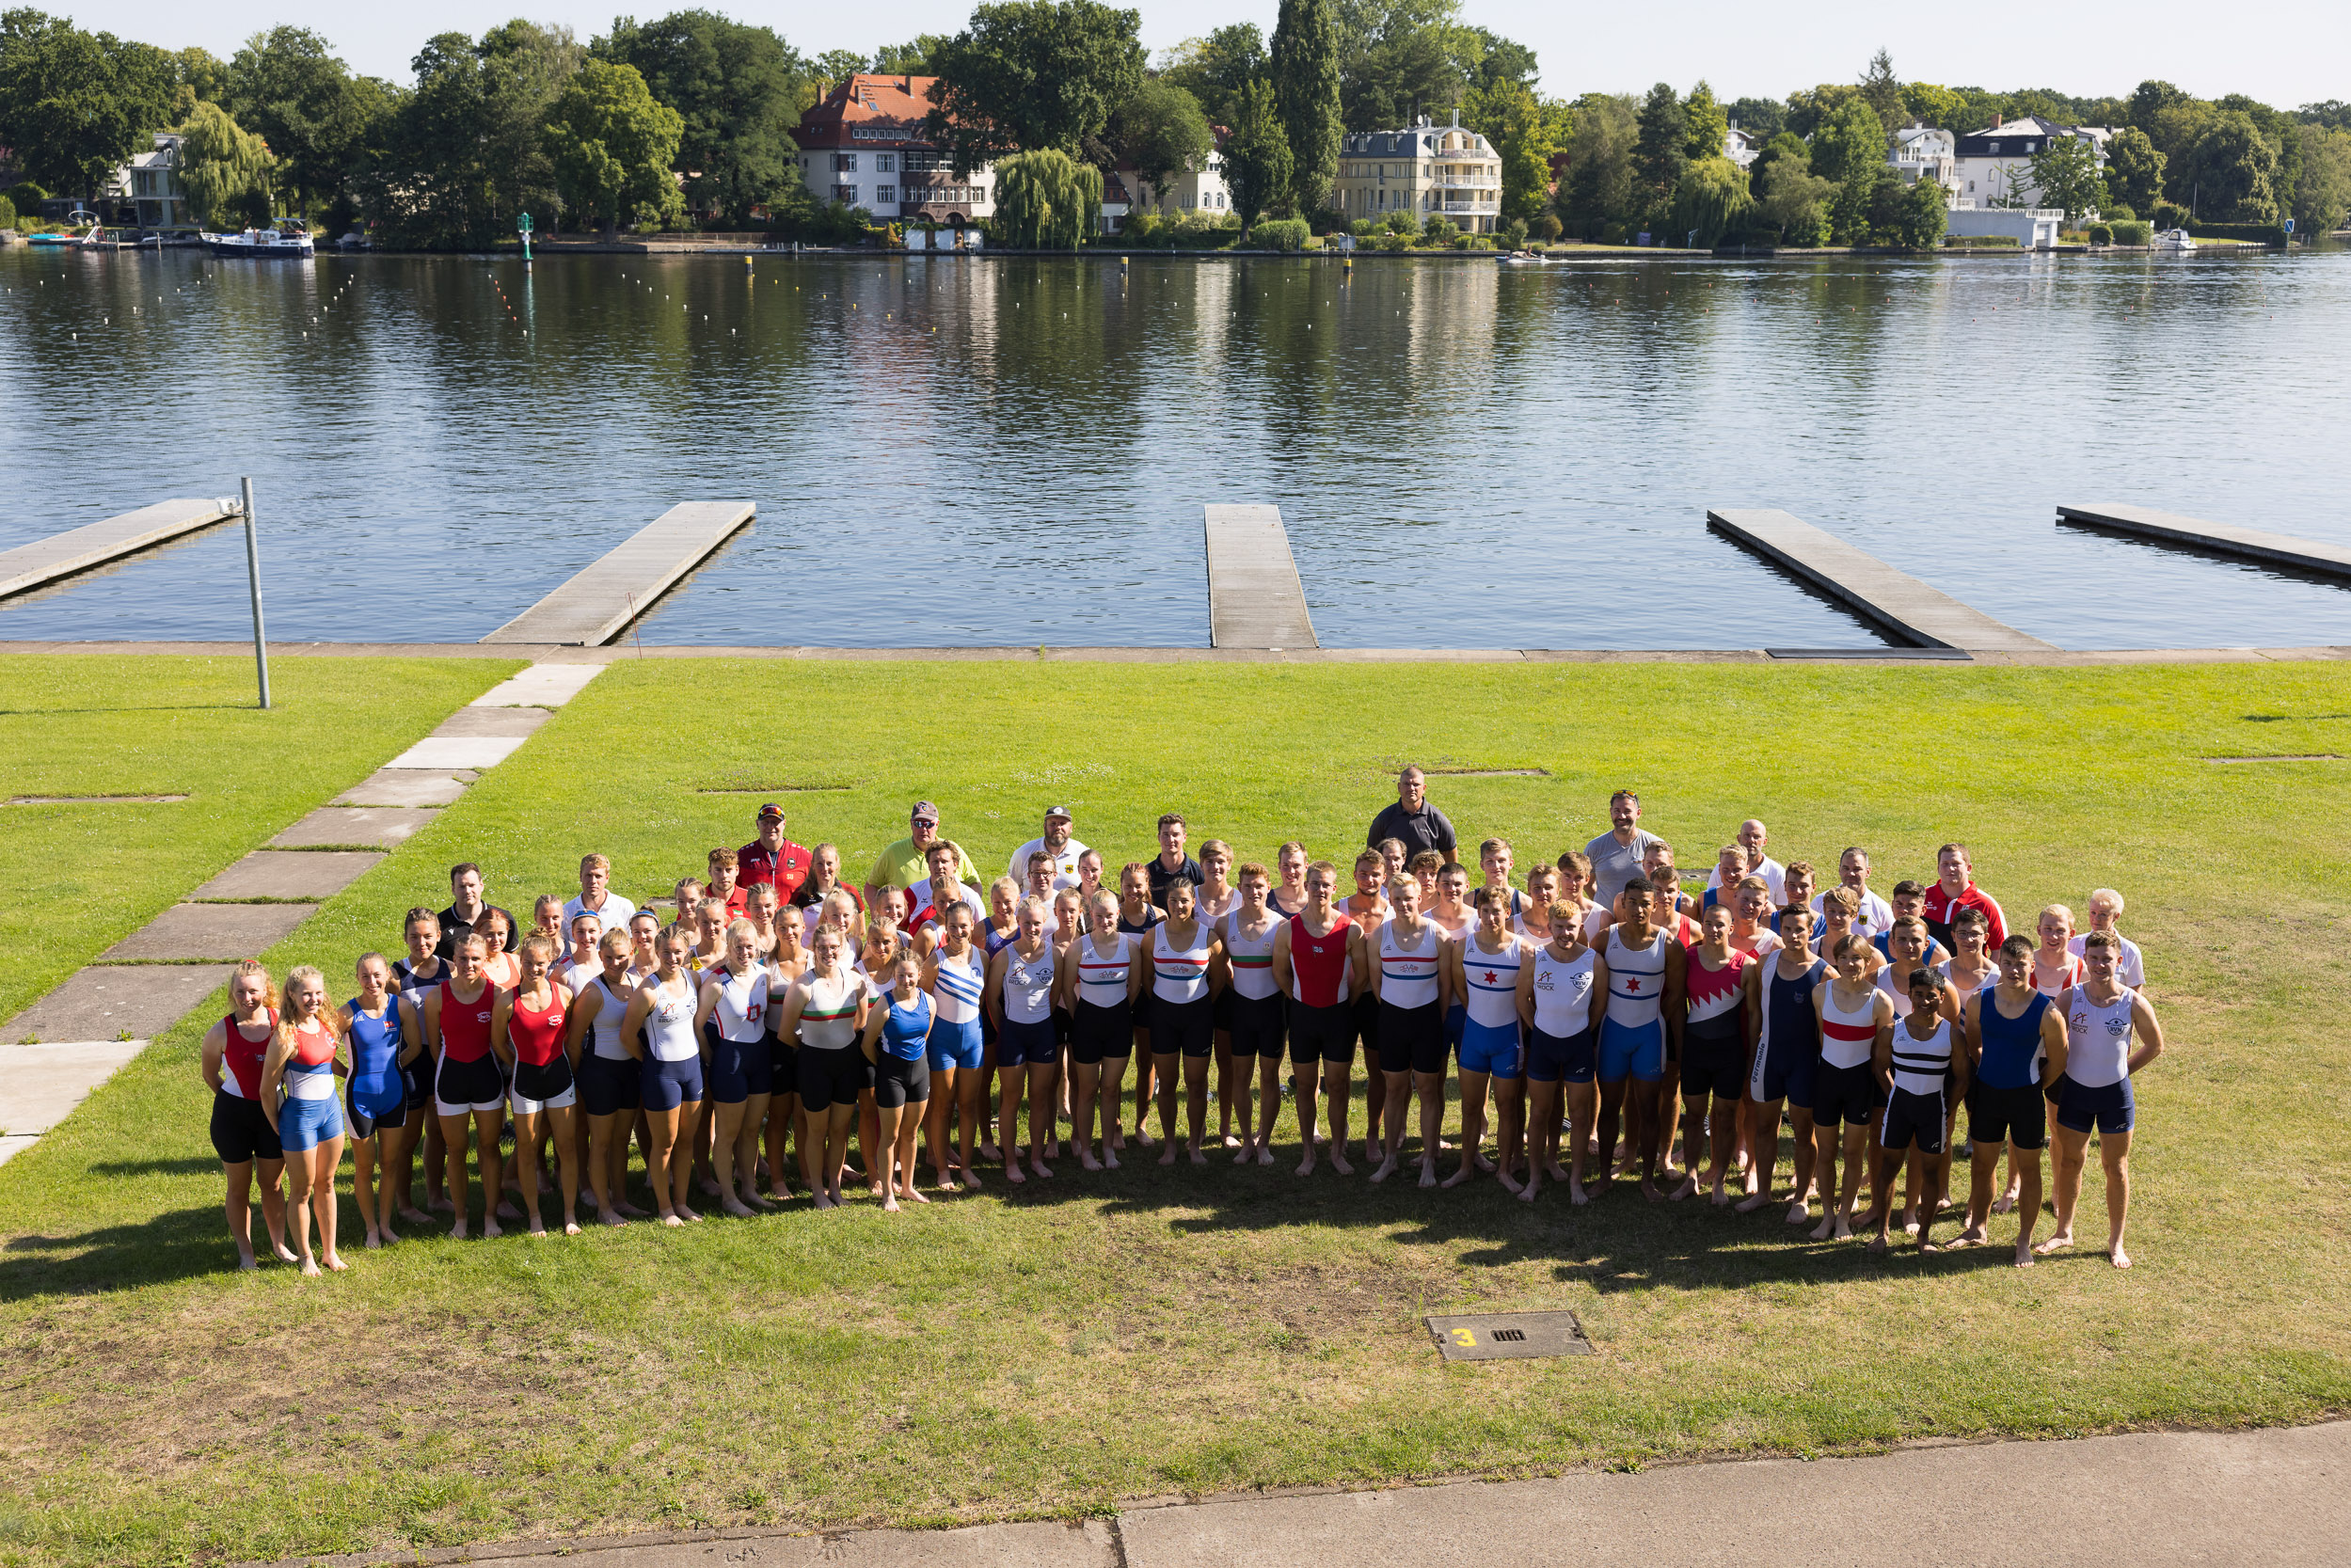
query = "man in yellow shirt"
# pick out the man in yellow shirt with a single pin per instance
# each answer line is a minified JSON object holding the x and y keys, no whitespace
{"x":903,"y":865}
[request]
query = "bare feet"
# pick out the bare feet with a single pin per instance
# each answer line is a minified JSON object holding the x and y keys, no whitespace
{"x":507,"y":1211}
{"x":285,"y":1253}
{"x":1749,"y":1204}
{"x":248,"y":1263}
{"x":735,"y":1206}
{"x":1168,"y":1156}
{"x":1910,"y":1222}
{"x":1973,"y":1235}
{"x":571,"y":1226}
{"x":1339,"y":1159}
{"x":2003,"y":1204}
{"x":2120,"y":1259}
{"x":2057,"y":1242}
{"x":1686,"y":1189}
{"x":822,"y":1201}
{"x":1526,"y":1193}
{"x":1877,"y":1242}
{"x":1232,"y":1141}
{"x":1722,"y":1195}
{"x":673,"y":1220}
{"x":1306,"y":1167}
{"x":439,"y":1204}
{"x":334,"y":1260}
{"x":1110,"y":1160}
{"x":1428,"y":1172}
{"x":1264,"y":1154}
{"x":1577,"y":1196}
{"x":1386,"y":1169}
{"x":1510,"y":1182}
{"x":538,"y":1226}
{"x":1086,"y":1160}
{"x":1012,"y":1173}
{"x":1037,"y":1166}
{"x":1799,"y":1212}
{"x":909,"y":1194}
{"x":415,"y":1216}
{"x":457,"y":1232}
{"x":1248,"y":1152}
{"x":309,"y":1268}
{"x":373,"y":1241}
{"x":1649,"y":1191}
{"x":889,"y":1204}
{"x":610,"y":1216}
{"x":2024,"y":1254}
{"x":1457,"y":1178}
{"x":1198,"y":1157}
{"x":490,"y":1229}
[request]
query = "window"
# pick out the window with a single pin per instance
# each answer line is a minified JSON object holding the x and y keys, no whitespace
{"x":845,"y":194}
{"x":979,"y":195}
{"x":844,"y":163}
{"x":886,"y":193}
{"x":885,"y":163}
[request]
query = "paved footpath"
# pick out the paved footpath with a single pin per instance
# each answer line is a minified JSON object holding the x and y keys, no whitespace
{"x":65,"y":1045}
{"x":2148,"y":1499}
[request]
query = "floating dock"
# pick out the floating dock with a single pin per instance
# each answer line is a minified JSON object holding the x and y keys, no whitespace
{"x":63,"y":555}
{"x":1255,"y":599}
{"x":1897,"y":603}
{"x":2245,"y":544}
{"x":598,"y":604}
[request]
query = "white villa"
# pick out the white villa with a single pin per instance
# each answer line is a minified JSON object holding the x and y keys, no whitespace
{"x":1992,"y":167}
{"x":1921,"y":151}
{"x":1430,"y":170}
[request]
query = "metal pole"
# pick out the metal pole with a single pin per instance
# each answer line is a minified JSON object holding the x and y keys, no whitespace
{"x":253,"y":577}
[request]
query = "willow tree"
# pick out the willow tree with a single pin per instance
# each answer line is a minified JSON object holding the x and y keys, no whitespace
{"x":1046,"y":201}
{"x":1711,"y":201}
{"x":223,"y":169}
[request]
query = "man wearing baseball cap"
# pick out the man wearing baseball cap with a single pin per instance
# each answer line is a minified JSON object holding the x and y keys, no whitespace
{"x":904,"y":864}
{"x":772,"y":860}
{"x":1057,"y":842}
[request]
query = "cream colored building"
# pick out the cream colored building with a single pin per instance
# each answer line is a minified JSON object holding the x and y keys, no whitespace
{"x":1430,"y":170}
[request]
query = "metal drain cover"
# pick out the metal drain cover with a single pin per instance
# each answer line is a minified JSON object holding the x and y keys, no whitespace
{"x":1506,"y":1336}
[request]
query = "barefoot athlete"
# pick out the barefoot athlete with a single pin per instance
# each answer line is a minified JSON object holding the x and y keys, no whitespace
{"x":1482,"y":970}
{"x":1021,"y":979}
{"x":2106,"y":909}
{"x":1247,"y":937}
{"x":1714,"y":1053}
{"x":468,"y":1090}
{"x":1368,"y":908}
{"x":1100,"y":974}
{"x":1856,"y":1017}
{"x":376,"y":1101}
{"x":2101,"y":1017}
{"x":1925,"y":1072}
{"x":1783,"y":1037}
{"x":1319,"y":958}
{"x":1411,"y":1037}
{"x":731,"y":1017}
{"x":1644,"y":968}
{"x":1183,"y":949}
{"x":530,"y":1030}
{"x":897,"y":1043}
{"x":413,"y":977}
{"x":658,"y":1031}
{"x":956,"y":979}
{"x":2016,"y":1039}
{"x":1558,"y":1002}
{"x":827,"y":1009}
{"x":304,"y":1056}
{"x":610,"y":1085}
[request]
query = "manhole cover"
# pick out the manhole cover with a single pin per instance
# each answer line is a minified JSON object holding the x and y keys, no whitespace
{"x":1502,"y":1336}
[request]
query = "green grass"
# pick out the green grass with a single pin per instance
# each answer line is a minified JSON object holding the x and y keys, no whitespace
{"x":81,"y":877}
{"x":1106,"y":1337}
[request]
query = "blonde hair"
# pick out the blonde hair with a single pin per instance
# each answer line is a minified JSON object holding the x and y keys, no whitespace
{"x":2108,"y":896}
{"x":299,"y":975}
{"x":540,"y":940}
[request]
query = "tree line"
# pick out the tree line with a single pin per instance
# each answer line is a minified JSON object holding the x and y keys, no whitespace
{"x":688,"y":117}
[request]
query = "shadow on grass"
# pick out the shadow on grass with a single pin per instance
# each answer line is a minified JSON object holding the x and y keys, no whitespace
{"x":192,"y":1165}
{"x":178,"y":1244}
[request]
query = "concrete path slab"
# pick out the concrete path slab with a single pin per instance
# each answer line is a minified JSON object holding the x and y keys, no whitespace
{"x":309,"y":877}
{"x":40,"y":1084}
{"x":103,"y":1002}
{"x":595,"y":605}
{"x":407,"y":787}
{"x":222,"y":932}
{"x":1893,"y":600}
{"x":62,"y":555}
{"x":2245,"y":544}
{"x":383,"y":825}
{"x":469,"y":723}
{"x":13,"y":1145}
{"x":1255,"y":599}
{"x":540,"y":685}
{"x":447,"y":753}
{"x":1090,"y":1544}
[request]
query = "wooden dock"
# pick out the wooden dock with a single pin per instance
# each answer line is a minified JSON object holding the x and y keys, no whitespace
{"x":2245,"y":544}
{"x":1255,"y":599}
{"x":62,"y":555}
{"x":598,"y":604}
{"x":1897,"y":603}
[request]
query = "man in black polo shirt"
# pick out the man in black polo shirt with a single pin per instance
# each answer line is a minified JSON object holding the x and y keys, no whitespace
{"x":1415,"y":822}
{"x":465,"y":906}
{"x":1171,"y":865}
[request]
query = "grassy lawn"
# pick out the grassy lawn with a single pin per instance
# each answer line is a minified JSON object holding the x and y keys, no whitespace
{"x":1094,"y":1338}
{"x":81,"y":877}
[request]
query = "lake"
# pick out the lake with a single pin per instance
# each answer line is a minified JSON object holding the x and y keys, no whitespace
{"x":954,"y":452}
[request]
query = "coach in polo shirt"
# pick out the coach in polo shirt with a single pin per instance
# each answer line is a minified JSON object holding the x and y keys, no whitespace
{"x":1412,"y":820}
{"x":904,"y":865}
{"x":1055,"y":841}
{"x":772,"y":860}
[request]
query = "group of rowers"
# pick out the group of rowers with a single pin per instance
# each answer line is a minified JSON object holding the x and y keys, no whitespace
{"x":776,"y":1008}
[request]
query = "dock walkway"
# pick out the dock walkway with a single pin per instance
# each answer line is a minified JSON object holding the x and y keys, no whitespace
{"x":599,"y":601}
{"x":62,"y":555}
{"x":2245,"y":544}
{"x":1255,"y":599}
{"x":1900,"y":605}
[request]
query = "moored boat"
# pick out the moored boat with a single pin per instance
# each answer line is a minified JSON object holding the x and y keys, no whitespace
{"x":289,"y":238}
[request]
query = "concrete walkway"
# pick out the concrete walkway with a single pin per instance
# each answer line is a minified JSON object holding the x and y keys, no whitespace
{"x":69,"y":1042}
{"x":2148,"y":1499}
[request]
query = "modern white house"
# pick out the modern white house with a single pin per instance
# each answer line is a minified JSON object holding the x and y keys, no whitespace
{"x":1920,"y":151}
{"x":1742,"y":147}
{"x":1199,"y":187}
{"x":1430,"y":170}
{"x":864,"y":146}
{"x":2032,"y":227}
{"x":1992,"y":167}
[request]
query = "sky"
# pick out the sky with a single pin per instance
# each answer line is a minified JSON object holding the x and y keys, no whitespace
{"x":2282,"y":52}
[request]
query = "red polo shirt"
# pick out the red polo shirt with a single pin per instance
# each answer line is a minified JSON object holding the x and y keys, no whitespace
{"x":1939,"y":909}
{"x":783,"y":869}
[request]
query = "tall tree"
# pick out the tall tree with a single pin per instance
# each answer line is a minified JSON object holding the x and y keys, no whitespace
{"x":1499,"y":60}
{"x":835,"y":66}
{"x":1525,"y":135}
{"x":1761,"y":116}
{"x":75,"y":106}
{"x":224,"y":168}
{"x":1400,"y":58}
{"x":1849,"y":148}
{"x":2321,"y":193}
{"x":1710,"y":124}
{"x":736,"y":86}
{"x":2134,"y":171}
{"x":1661,"y":149}
{"x":1029,"y":74}
{"x":1161,"y":132}
{"x":287,"y":86}
{"x":464,"y":151}
{"x":1598,"y":185}
{"x":1212,"y":70}
{"x":918,"y":58}
{"x":1882,"y":90}
{"x":1046,"y":200}
{"x":1795,"y":202}
{"x":1256,"y":154}
{"x":1305,"y":76}
{"x":1709,"y":201}
{"x":613,"y":147}
{"x":2230,"y":171}
{"x":2065,"y":175}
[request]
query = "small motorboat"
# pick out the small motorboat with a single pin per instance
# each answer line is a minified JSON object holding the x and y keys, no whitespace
{"x":87,"y":237}
{"x":2175,"y":239}
{"x":288,"y":238}
{"x":1522,"y":259}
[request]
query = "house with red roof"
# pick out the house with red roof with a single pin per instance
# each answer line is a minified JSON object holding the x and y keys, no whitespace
{"x":864,"y":146}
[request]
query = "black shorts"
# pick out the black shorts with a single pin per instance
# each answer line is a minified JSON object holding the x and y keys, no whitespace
{"x":608,"y":1088}
{"x":1256,"y":1023}
{"x":1913,"y":1119}
{"x":1182,"y":1028}
{"x":1097,"y":1032}
{"x":1714,"y":1058}
{"x":898,"y":1082}
{"x":1846,"y":1094}
{"x":1412,"y":1039}
{"x":416,"y":1081}
{"x":834,"y":1077}
{"x":2019,"y":1115}
{"x":1061,"y":1028}
{"x":783,"y":1068}
{"x":240,"y":1131}
{"x":1322,"y":1034}
{"x":1221,"y":1011}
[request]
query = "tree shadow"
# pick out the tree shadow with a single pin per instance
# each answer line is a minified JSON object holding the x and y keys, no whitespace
{"x":175,"y":1244}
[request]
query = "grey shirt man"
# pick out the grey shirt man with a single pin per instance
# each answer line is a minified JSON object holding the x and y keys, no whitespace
{"x":1614,"y":864}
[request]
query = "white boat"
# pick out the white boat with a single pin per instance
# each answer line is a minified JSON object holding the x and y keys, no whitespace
{"x":289,"y":238}
{"x":2175,"y":239}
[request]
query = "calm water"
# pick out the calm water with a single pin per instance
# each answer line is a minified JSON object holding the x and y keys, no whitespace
{"x":1010,"y":451}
